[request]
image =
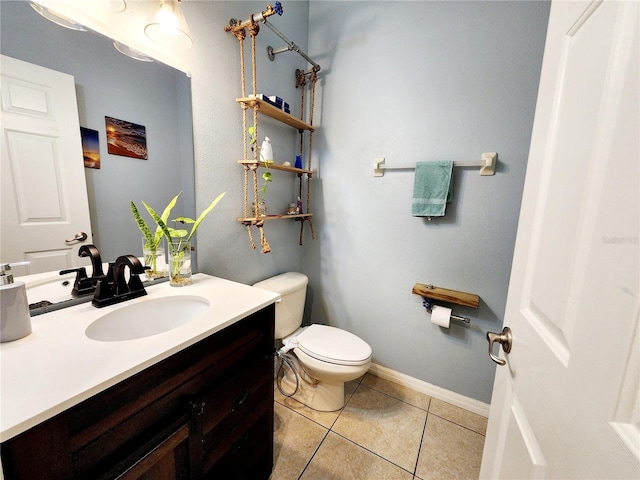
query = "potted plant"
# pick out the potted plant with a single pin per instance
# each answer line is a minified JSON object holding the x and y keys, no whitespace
{"x":152,"y":249}
{"x":179,"y":241}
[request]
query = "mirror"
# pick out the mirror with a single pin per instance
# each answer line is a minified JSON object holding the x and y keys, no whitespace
{"x":110,"y":84}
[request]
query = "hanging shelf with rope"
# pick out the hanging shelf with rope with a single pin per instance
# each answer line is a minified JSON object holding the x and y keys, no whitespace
{"x":251,"y":102}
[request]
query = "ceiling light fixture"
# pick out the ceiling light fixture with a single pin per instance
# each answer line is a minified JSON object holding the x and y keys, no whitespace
{"x":116,"y":6}
{"x":131,"y":52}
{"x":168,"y":27}
{"x":57,"y":18}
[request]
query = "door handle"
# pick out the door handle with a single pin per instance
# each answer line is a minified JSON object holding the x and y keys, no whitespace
{"x":505,"y":338}
{"x":78,"y":237}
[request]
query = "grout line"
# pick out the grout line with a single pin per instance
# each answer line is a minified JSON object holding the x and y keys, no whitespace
{"x":303,"y":415}
{"x":372,"y":452}
{"x":400,"y":399}
{"x":456,"y":423}
{"x":314,"y":454}
{"x":424,"y":431}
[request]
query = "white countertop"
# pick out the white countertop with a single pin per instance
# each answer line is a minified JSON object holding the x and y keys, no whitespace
{"x":58,"y":366}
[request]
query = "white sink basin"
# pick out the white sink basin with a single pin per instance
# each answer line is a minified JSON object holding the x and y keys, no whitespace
{"x":146,"y":318}
{"x":52,"y":288}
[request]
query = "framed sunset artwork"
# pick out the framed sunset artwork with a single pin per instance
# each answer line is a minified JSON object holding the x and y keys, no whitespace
{"x":90,"y":147}
{"x":126,"y":139}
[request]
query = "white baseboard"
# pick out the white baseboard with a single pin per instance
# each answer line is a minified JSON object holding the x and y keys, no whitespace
{"x":471,"y":404}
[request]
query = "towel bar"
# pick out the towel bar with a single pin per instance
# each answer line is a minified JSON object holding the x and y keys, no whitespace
{"x":487,"y":165}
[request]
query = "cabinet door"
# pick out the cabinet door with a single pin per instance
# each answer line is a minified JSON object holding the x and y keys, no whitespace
{"x":168,"y":460}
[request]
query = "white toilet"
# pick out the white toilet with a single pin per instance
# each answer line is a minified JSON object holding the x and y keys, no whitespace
{"x":329,"y":356}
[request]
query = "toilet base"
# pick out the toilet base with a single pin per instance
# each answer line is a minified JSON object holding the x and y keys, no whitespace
{"x":320,"y":396}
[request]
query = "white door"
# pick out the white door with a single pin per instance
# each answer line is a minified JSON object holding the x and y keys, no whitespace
{"x":567,"y":402}
{"x":43,"y":188}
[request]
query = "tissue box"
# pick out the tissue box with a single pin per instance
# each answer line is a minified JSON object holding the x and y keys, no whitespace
{"x":267,"y":99}
{"x":277,"y":101}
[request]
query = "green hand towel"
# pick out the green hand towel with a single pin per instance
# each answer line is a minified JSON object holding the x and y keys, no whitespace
{"x":432,"y":188}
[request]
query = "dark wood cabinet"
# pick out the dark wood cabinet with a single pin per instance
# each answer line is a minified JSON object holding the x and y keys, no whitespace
{"x":204,"y":412}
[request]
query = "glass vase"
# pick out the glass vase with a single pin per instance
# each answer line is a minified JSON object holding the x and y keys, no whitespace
{"x":179,"y":262}
{"x":155,"y":259}
{"x":260,"y":210}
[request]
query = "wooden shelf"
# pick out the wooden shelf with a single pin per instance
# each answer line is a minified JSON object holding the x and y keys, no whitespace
{"x":446,"y":295}
{"x":254,"y":220}
{"x":276,"y":166}
{"x":274,"y":112}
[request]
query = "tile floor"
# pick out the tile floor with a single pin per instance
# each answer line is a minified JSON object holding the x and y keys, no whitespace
{"x":385,"y":432}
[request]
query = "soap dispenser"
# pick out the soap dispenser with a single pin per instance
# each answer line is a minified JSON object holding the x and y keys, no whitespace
{"x":15,"y":321}
{"x":266,"y":151}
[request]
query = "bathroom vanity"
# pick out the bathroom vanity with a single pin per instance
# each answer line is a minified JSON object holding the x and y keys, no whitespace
{"x":195,"y":401}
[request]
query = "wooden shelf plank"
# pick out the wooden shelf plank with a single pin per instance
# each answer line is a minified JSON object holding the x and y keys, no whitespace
{"x":446,"y":295}
{"x":276,"y":166}
{"x":253,"y":220}
{"x":274,"y":112}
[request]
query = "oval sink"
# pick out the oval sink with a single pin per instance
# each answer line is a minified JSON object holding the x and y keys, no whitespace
{"x":55,"y":288}
{"x":146,"y":318}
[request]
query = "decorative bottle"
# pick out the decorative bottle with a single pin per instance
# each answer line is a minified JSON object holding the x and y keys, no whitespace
{"x":266,"y":151}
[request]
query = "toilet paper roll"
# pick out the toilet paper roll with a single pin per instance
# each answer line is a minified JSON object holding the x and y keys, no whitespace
{"x":441,"y":316}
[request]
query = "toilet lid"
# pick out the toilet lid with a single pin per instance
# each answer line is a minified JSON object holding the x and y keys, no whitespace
{"x":333,"y":345}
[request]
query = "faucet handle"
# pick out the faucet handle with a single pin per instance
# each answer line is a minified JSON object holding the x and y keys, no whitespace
{"x":82,"y":285}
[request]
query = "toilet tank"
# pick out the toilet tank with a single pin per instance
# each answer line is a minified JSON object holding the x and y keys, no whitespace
{"x":293,"y":288}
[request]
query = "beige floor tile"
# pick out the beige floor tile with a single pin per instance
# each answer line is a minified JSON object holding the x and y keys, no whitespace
{"x":449,"y":451}
{"x":339,"y":459}
{"x":458,"y":415}
{"x":384,"y":425}
{"x":398,"y":391}
{"x":326,"y":419}
{"x":296,"y":438}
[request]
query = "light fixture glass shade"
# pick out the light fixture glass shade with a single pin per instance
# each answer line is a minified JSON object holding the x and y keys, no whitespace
{"x":57,"y":18}
{"x":131,"y":52}
{"x":116,"y":6}
{"x":168,"y":27}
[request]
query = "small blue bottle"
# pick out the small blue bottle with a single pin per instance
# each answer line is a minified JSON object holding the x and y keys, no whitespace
{"x":298,"y":161}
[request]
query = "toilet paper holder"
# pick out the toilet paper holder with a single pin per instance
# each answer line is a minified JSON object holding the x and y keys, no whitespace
{"x":431,"y":293}
{"x":428,"y":305}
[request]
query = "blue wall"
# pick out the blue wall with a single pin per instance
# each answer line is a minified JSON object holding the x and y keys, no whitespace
{"x":408,"y":81}
{"x":419,"y":81}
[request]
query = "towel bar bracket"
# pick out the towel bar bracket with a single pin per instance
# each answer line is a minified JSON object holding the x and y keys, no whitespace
{"x":488,"y":163}
{"x":378,"y":171}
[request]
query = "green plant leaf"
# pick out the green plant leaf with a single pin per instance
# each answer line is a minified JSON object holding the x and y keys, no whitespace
{"x":185,"y":220}
{"x":161,"y":225}
{"x":142,"y":225}
{"x":267,"y":177}
{"x":204,"y":214}
{"x":178,"y":233}
{"x":164,"y":217}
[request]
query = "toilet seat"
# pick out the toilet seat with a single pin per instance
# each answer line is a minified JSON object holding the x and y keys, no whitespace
{"x":333,"y":345}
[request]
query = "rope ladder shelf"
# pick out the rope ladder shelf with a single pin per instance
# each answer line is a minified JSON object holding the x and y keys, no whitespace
{"x":275,"y":166}
{"x":273,"y":112}
{"x":252,"y":103}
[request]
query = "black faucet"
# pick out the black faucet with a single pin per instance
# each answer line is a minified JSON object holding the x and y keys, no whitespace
{"x":114,"y":288}
{"x":96,"y":262}
{"x":86,"y":285}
